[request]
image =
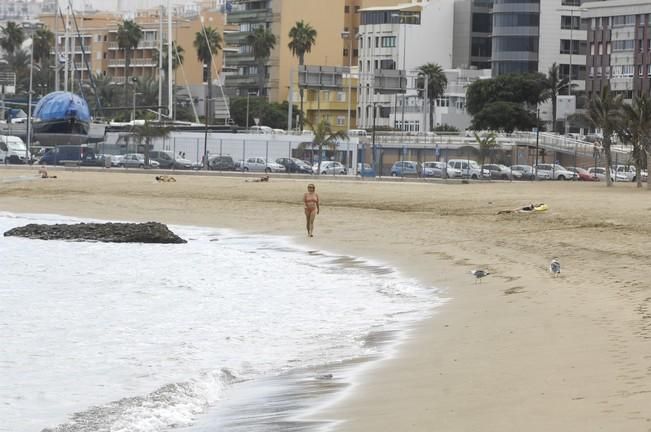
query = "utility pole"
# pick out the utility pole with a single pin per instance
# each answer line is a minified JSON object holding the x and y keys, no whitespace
{"x":170,"y":102}
{"x":160,"y":61}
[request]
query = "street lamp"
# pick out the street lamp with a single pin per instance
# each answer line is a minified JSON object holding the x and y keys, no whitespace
{"x":248,"y":93}
{"x":402,"y":21}
{"x":133,"y":113}
{"x":347,"y":35}
{"x":205,"y":134}
{"x":31,"y":28}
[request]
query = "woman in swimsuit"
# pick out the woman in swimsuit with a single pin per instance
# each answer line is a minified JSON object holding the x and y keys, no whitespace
{"x":311,"y":200}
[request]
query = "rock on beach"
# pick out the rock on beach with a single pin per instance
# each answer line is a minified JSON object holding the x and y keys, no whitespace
{"x":149,"y":232}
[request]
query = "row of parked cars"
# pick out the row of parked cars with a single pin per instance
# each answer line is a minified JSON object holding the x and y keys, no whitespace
{"x":280,"y":165}
{"x":464,"y":168}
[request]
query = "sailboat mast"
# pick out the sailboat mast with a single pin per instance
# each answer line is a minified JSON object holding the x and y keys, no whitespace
{"x":169,"y":59}
{"x":56,"y":46}
{"x":160,"y":60}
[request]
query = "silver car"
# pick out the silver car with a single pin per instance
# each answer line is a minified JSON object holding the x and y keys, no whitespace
{"x":137,"y":160}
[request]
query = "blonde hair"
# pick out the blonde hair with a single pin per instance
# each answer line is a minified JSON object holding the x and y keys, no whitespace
{"x":311,"y":185}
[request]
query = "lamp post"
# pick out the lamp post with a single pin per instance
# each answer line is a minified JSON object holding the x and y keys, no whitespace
{"x":133,"y":113}
{"x":571,"y":11}
{"x":31,"y":28}
{"x":402,"y":22}
{"x":373,"y":139}
{"x":349,"y":36}
{"x":248,"y":93}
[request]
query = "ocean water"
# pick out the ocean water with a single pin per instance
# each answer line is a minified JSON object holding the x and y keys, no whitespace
{"x":142,"y":338}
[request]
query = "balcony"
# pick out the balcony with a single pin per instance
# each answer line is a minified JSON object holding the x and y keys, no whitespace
{"x":119,"y":63}
{"x":148,"y":44}
{"x":240,"y":80}
{"x":251,"y":15}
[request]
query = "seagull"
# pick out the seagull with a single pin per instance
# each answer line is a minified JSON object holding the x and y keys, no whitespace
{"x":479,"y":274}
{"x":555,"y":267}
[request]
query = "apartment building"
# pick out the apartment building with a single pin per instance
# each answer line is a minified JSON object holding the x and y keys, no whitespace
{"x":97,"y":34}
{"x":19,"y":10}
{"x":401,"y":37}
{"x":619,"y":53}
{"x":472,"y":34}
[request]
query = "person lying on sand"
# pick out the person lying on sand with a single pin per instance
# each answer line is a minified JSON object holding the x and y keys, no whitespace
{"x":526,"y":209}
{"x":42,"y":171}
{"x":261,"y":179}
{"x":165,"y":179}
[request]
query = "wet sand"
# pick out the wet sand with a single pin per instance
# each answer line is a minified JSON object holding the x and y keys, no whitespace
{"x":520,"y":351}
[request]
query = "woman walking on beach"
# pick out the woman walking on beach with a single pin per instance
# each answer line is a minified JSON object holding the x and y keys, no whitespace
{"x":311,"y":200}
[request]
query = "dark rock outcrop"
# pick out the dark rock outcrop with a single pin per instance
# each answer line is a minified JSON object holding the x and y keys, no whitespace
{"x":149,"y":232}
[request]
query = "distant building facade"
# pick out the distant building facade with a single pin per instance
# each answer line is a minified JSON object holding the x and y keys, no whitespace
{"x":619,"y":52}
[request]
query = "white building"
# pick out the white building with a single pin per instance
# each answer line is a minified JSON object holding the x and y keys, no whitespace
{"x":19,"y":10}
{"x":451,"y":108}
{"x":401,"y":37}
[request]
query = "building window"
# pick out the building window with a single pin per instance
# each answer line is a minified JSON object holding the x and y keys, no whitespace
{"x":341,"y":121}
{"x":387,"y":64}
{"x":600,"y":48}
{"x":648,"y":70}
{"x":573,"y":47}
{"x":345,"y":52}
{"x":621,"y":45}
{"x":388,"y":41}
{"x":623,"y":21}
{"x":571,"y":2}
{"x":341,"y":96}
{"x":377,"y":41}
{"x":346,"y":9}
{"x":570,"y":22}
{"x":355,"y":52}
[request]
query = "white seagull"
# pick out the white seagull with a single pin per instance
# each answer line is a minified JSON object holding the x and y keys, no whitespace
{"x":479,"y":274}
{"x":555,"y":267}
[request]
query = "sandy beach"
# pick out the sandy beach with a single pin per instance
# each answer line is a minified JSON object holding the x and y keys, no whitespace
{"x":522,"y":351}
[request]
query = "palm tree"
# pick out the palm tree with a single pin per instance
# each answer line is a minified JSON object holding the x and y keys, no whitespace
{"x":104,"y":90}
{"x":636,"y":128}
{"x":148,"y":89}
{"x":18,"y":62}
{"x":436,"y":84}
{"x":554,"y":85}
{"x":208,"y":43}
{"x":302,"y":36}
{"x":262,"y":42}
{"x":324,"y":136}
{"x":178,"y":56}
{"x":42,"y":43}
{"x":486,"y":144}
{"x":129,"y":35}
{"x":146,"y":133}
{"x":604,"y":112}
{"x":11,"y":37}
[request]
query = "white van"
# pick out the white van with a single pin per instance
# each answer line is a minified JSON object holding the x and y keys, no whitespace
{"x":13,"y":150}
{"x":357,"y":133}
{"x":463,"y":168}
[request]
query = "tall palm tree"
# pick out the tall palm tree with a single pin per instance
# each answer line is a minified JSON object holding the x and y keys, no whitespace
{"x":636,"y":129}
{"x":302,"y":37}
{"x":325,"y":136}
{"x":129,"y":35}
{"x":104,"y":90}
{"x":42,"y":43}
{"x":262,"y":41}
{"x":554,"y":85}
{"x":11,"y":37}
{"x":436,"y":84}
{"x":207,"y":43}
{"x":604,"y":112}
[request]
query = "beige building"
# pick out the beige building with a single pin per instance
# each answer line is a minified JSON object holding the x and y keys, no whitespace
{"x":99,"y":35}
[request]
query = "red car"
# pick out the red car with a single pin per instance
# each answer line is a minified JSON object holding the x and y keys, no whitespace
{"x":583,"y":174}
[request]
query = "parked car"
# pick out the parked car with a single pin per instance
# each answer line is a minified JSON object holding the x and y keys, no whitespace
{"x":434,"y":169}
{"x":600,"y":173}
{"x":405,"y":168}
{"x":167,"y":160}
{"x":365,"y":170}
{"x":501,"y":172}
{"x":137,"y":160}
{"x":70,"y":154}
{"x":221,"y":163}
{"x":526,"y":172}
{"x":262,"y":165}
{"x":294,"y":165}
{"x":556,"y":172}
{"x":13,"y":150}
{"x":464,"y":168}
{"x":329,"y":167}
{"x":628,"y":173}
{"x":583,"y":174}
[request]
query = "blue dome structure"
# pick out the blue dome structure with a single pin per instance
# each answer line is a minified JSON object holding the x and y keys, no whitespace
{"x":62,"y":113}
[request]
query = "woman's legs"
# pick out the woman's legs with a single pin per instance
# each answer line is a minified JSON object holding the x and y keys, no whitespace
{"x":310,"y":223}
{"x":308,"y":214}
